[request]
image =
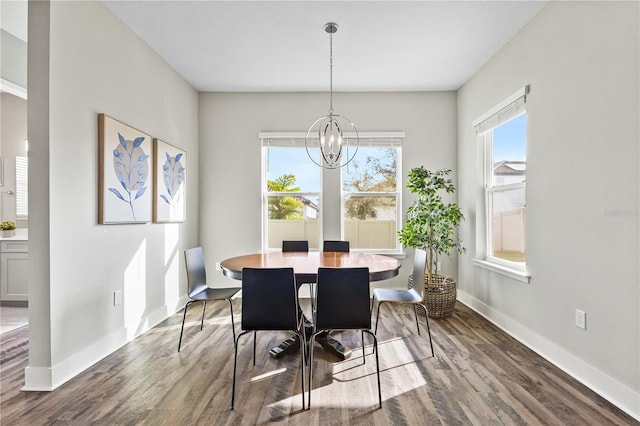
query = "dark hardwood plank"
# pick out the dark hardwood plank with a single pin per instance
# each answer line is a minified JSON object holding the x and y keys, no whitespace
{"x":479,"y":376}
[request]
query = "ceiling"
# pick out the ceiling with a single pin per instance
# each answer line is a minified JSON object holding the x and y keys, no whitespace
{"x":282,"y":46}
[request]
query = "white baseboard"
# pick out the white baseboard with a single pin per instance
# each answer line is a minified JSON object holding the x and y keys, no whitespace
{"x":604,"y":385}
{"x":50,"y":378}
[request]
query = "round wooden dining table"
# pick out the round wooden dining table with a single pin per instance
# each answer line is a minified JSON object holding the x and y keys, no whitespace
{"x":305,"y":264}
{"x":305,"y":267}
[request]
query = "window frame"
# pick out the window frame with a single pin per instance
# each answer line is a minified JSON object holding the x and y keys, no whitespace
{"x":507,"y":110}
{"x":297,"y":140}
{"x":380,"y":141}
{"x":490,"y":188}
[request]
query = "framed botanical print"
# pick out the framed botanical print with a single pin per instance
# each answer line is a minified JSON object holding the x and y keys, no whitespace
{"x":125,"y":173}
{"x":170,"y":166}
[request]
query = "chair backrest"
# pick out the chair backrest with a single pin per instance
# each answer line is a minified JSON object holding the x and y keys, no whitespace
{"x":419,"y":265}
{"x":196,"y":272}
{"x":343,"y":299}
{"x":295,"y":246}
{"x":339,"y":246}
{"x":269,"y":299}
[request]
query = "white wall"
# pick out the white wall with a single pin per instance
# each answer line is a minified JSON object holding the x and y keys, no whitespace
{"x":581,"y":60}
{"x":230,"y":157}
{"x":84,"y":61}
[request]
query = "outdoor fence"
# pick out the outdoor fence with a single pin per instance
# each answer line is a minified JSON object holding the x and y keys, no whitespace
{"x":360,"y":233}
{"x":508,"y":229}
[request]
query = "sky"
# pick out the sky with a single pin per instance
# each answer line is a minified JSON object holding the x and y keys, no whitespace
{"x":297,"y":162}
{"x":509,"y":140}
{"x":294,"y":161}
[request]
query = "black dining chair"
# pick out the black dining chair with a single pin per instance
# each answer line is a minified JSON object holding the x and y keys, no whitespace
{"x":295,"y":245}
{"x":199,"y":291}
{"x":343,"y":303}
{"x":335,"y":246}
{"x":269,"y":302}
{"x":290,"y":246}
{"x":415,"y":296}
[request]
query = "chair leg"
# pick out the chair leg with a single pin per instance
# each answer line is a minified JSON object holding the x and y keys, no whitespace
{"x":233,"y":325}
{"x":375,"y":345}
{"x":204,"y":308}
{"x":364,"y":360}
{"x":235,"y":363}
{"x":255,"y":334}
{"x":372,"y":302}
{"x":303,"y":343}
{"x":415,"y":312}
{"x":377,"y":318}
{"x":426,"y":317}
{"x":184,"y":316}
{"x":310,"y":381}
{"x":312,"y":297}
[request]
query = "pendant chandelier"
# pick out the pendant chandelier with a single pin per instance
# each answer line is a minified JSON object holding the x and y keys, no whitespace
{"x":335,"y":135}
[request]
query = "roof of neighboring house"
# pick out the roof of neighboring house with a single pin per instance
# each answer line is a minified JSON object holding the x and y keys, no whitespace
{"x":510,"y":168}
{"x":307,"y":202}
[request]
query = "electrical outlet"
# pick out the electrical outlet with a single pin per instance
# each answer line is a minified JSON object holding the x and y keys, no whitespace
{"x":117,"y":297}
{"x":218,"y":267}
{"x":581,"y":319}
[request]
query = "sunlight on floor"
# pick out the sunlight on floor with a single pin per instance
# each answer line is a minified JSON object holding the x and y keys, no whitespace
{"x":352,"y":373}
{"x":268,"y":374}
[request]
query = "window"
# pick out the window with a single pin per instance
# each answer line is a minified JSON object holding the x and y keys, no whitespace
{"x":291,"y":193}
{"x":371,"y":196}
{"x":365,"y":207}
{"x":22,"y":187}
{"x":502,"y":135}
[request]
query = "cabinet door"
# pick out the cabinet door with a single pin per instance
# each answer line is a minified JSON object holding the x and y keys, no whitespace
{"x":14,"y":272}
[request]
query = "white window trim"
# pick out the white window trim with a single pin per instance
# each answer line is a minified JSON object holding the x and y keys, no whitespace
{"x":302,"y":135}
{"x":491,"y":265}
{"x":506,"y":110}
{"x":398,"y":251}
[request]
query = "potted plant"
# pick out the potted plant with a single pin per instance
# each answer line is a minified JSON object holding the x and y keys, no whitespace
{"x":7,"y":228}
{"x":430,"y":224}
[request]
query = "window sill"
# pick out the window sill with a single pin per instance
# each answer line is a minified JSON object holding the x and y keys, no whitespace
{"x":522,"y":276}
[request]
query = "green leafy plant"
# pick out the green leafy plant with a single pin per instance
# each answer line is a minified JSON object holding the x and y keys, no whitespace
{"x":286,"y":207}
{"x":430,"y":224}
{"x":7,"y":225}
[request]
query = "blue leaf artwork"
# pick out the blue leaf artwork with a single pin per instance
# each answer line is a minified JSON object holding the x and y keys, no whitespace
{"x":173,"y":178}
{"x":131,"y":166}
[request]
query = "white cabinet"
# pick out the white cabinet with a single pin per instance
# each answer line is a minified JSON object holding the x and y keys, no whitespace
{"x":14,"y":260}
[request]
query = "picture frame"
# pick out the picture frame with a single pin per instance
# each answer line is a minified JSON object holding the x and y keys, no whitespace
{"x":125,"y":173}
{"x":170,"y":166}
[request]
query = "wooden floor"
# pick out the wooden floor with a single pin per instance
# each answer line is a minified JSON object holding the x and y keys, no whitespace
{"x":479,"y":376}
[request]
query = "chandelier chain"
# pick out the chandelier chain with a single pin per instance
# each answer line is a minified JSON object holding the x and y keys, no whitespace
{"x":330,"y":73}
{"x":336,"y":149}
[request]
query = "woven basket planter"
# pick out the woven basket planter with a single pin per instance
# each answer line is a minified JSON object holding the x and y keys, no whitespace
{"x":441,"y":296}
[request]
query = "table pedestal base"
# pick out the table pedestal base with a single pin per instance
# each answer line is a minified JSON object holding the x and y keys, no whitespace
{"x":332,"y":346}
{"x":327,"y":342}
